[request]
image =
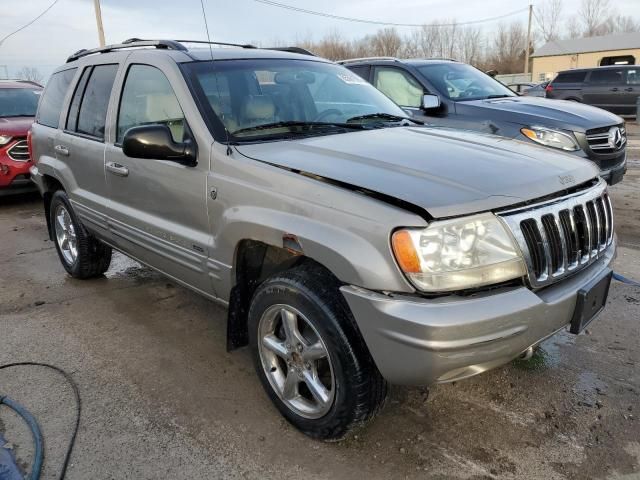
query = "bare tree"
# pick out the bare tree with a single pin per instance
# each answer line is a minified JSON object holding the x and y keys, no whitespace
{"x":573,"y":28}
{"x":620,"y":24}
{"x":30,"y":73}
{"x":508,"y":48}
{"x":594,"y":16}
{"x":548,"y":17}
{"x":386,"y":42}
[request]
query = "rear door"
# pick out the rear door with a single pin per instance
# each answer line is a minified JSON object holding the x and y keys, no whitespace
{"x":81,"y":144}
{"x":604,"y":89}
{"x":159,"y":213}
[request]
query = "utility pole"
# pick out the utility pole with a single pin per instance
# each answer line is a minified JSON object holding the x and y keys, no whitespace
{"x":96,"y":4}
{"x":528,"y":46}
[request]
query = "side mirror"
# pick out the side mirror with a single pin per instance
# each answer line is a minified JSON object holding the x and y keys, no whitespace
{"x":156,"y":143}
{"x":429,"y":102}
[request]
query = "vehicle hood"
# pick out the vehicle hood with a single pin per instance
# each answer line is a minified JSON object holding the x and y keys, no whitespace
{"x":531,"y":111}
{"x":443,"y":171}
{"x":18,"y":126}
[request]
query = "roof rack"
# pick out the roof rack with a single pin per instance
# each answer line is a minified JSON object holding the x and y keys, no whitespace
{"x":21,"y":80}
{"x":352,"y":60}
{"x":300,"y":50}
{"x":173,"y":45}
{"x":130,"y":43}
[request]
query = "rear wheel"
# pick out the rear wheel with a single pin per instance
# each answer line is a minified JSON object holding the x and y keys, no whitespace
{"x":310,"y":356}
{"x":81,"y":255}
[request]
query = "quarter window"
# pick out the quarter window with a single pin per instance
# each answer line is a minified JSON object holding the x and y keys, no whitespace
{"x":147,"y":98}
{"x":570,"y":77}
{"x":399,"y":86}
{"x":53,"y":97}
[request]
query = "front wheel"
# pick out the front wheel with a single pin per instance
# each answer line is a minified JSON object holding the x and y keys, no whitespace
{"x":81,"y":255}
{"x":310,"y":356}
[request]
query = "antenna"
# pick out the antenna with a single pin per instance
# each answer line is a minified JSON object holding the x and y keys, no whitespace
{"x":206,"y":26}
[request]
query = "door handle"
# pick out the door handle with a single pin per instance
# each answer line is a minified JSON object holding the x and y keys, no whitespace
{"x":117,"y":169}
{"x":614,"y":89}
{"x":62,"y":150}
{"x":629,"y":89}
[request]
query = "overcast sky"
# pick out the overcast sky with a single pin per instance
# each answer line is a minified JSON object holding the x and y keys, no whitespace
{"x":70,"y":25}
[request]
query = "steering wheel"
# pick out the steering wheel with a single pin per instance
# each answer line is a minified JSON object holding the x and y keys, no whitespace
{"x":326,"y":113}
{"x":472,"y":90}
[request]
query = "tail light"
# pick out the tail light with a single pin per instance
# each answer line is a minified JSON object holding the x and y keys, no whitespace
{"x":30,"y":144}
{"x":548,"y":88}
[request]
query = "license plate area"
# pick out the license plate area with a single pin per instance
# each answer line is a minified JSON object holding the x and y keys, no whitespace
{"x":590,"y":302}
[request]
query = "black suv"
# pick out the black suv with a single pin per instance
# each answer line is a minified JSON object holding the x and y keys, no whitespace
{"x":454,"y":94}
{"x":614,"y":88}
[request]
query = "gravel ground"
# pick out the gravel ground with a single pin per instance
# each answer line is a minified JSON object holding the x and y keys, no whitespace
{"x":163,"y":399}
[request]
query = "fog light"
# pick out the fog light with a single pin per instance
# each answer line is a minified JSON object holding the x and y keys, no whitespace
{"x":4,"y":169}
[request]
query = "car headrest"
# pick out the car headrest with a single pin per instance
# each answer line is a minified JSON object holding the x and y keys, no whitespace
{"x":258,"y":107}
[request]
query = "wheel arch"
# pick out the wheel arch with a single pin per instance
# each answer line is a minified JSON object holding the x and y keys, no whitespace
{"x":254,"y":262}
{"x":50,"y":186}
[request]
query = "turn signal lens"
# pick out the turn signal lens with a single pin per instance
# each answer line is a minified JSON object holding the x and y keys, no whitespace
{"x":405,"y":252}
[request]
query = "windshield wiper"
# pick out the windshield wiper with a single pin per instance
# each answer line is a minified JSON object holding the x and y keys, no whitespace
{"x":295,"y":123}
{"x":384,"y":116}
{"x":18,"y":115}
{"x":499,"y":96}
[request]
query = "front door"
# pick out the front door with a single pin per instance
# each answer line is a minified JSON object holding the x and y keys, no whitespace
{"x":631,"y":91}
{"x":159,"y":211}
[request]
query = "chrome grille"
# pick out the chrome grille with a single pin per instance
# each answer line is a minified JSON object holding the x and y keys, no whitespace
{"x":561,"y":237}
{"x":605,"y":140}
{"x":19,"y":152}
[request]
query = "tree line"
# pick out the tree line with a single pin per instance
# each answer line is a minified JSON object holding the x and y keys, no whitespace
{"x":500,"y":47}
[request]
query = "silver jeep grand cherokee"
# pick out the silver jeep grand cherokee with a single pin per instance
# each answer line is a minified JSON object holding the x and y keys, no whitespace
{"x":352,"y":246}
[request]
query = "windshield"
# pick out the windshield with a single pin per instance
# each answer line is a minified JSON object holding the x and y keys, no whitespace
{"x":460,"y":82}
{"x":270,"y":99}
{"x":19,"y":102}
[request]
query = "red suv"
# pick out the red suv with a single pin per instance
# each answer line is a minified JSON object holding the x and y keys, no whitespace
{"x":18,"y":105}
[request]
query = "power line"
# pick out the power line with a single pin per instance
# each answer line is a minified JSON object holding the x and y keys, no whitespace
{"x":378,"y":22}
{"x":31,"y":22}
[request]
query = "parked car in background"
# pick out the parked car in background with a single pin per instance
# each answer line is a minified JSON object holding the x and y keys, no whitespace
{"x":18,"y":104}
{"x":615,"y":88}
{"x":352,"y":246}
{"x":454,"y":94}
{"x":538,"y":90}
{"x":520,"y":87}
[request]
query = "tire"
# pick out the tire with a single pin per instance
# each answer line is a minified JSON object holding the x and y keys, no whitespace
{"x":354,"y":389}
{"x":82,"y":256}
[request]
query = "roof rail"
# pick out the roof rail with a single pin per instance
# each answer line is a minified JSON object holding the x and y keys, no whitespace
{"x":224,"y":44}
{"x":352,"y":60}
{"x":130,"y":43}
{"x":173,"y":45}
{"x":300,"y":50}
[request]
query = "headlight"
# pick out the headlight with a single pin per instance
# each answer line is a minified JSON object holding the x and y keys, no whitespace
{"x":458,"y":254}
{"x":551,"y":138}
{"x":4,"y":139}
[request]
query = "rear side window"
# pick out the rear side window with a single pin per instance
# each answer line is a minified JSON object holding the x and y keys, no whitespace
{"x":53,"y":97}
{"x":608,"y":76}
{"x":570,"y":77}
{"x":88,"y":112}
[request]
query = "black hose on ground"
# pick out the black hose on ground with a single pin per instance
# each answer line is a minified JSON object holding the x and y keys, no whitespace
{"x":33,"y":425}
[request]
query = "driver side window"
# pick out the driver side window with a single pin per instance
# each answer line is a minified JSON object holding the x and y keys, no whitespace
{"x":147,"y":98}
{"x":399,"y":86}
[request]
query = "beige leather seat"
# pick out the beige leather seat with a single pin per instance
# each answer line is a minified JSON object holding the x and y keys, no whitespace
{"x":257,"y":110}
